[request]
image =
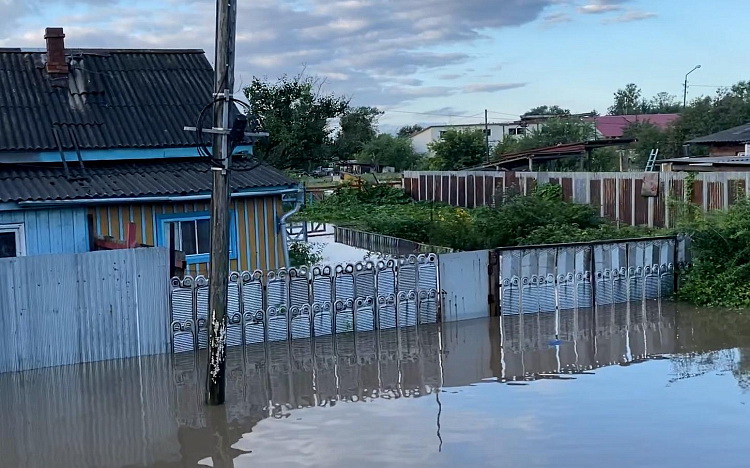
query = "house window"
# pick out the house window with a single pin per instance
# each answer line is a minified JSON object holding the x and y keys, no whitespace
{"x":192,"y":234}
{"x":192,"y":237}
{"x":442,"y":133}
{"x":517,"y":131}
{"x":487,"y":131}
{"x":12,"y":240}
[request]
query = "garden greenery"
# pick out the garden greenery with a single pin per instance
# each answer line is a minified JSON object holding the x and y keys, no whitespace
{"x":541,"y":218}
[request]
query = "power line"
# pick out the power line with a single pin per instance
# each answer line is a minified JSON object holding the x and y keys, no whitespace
{"x":435,"y":115}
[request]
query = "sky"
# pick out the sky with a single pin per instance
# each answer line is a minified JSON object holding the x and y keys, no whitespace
{"x":432,"y":61}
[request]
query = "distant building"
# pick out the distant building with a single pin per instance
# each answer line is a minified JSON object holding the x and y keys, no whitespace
{"x":497,"y":132}
{"x":613,"y":126}
{"x":732,"y":142}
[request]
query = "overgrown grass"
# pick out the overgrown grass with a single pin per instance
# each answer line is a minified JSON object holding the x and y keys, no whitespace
{"x":541,"y":218}
{"x":720,"y":274}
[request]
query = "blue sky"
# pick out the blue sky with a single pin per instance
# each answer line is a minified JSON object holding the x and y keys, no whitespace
{"x":441,"y":57}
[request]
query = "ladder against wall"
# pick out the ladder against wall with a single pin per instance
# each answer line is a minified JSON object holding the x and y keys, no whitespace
{"x":652,"y":159}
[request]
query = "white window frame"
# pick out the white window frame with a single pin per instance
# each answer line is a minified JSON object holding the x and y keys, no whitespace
{"x":19,"y":230}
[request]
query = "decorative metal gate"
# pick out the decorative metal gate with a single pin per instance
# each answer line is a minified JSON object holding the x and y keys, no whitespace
{"x":301,"y":303}
{"x":571,"y":276}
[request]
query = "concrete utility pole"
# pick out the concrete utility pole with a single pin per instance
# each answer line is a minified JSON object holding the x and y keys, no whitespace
{"x":226,"y":19}
{"x":685,"y":87}
{"x":486,"y":138}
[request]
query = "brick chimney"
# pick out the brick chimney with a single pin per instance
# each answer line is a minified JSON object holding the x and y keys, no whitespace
{"x":56,"y":65}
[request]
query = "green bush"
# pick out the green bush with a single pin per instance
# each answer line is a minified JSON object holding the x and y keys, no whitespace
{"x":304,"y":254}
{"x":720,"y":274}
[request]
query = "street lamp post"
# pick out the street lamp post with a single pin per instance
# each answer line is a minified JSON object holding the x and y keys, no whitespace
{"x":684,"y":92}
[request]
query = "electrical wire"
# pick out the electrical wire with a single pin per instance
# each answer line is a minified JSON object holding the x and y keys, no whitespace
{"x":203,"y":147}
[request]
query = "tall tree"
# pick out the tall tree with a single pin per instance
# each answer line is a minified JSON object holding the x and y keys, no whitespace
{"x":458,"y":149}
{"x":358,"y":126}
{"x":387,"y":150}
{"x":663,"y":103}
{"x":548,"y":110}
{"x":408,"y":130}
{"x":296,"y":114}
{"x":628,"y":100}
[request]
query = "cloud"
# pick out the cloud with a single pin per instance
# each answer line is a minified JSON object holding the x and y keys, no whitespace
{"x":632,"y":15}
{"x":491,"y":87}
{"x":598,"y":7}
{"x":450,"y":76}
{"x":557,"y":18}
{"x":367,"y":48}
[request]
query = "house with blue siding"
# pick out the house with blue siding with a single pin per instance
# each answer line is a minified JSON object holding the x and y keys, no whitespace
{"x":93,"y":146}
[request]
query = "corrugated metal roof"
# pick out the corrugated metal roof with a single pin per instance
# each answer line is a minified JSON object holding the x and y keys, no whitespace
{"x":613,"y":126}
{"x":739,"y":134}
{"x":113,"y":99}
{"x":118,"y":180}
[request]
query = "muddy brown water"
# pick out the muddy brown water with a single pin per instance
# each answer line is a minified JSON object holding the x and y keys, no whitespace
{"x":655,"y":384}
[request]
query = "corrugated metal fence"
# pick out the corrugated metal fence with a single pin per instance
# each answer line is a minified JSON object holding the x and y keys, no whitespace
{"x":300,"y":303}
{"x":66,"y":309}
{"x":617,"y":194}
{"x":577,"y":276}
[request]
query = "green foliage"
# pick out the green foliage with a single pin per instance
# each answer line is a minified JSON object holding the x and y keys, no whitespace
{"x":305,"y":254}
{"x":296,"y":114}
{"x":458,"y":149}
{"x":556,"y":131}
{"x":720,"y":274}
{"x":358,"y":127}
{"x":516,"y":220}
{"x":408,"y":130}
{"x":387,"y":150}
{"x":628,"y":101}
{"x":547,"y":110}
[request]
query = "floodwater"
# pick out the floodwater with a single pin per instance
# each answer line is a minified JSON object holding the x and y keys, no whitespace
{"x":653,"y":384}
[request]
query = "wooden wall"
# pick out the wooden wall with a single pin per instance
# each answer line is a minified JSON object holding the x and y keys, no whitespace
{"x":259,"y":246}
{"x":616,"y":194}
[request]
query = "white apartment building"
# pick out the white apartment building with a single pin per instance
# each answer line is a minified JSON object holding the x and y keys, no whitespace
{"x":497,"y":132}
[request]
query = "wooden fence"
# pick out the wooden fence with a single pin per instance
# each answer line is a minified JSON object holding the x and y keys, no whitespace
{"x":617,"y":194}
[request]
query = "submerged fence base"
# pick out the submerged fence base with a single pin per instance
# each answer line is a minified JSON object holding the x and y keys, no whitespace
{"x":302,"y":303}
{"x":575,"y":276}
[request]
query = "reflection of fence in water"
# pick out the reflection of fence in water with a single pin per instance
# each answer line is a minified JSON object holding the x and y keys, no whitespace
{"x":268,"y":380}
{"x":300,"y":303}
{"x":580,"y":339}
{"x":545,"y":279}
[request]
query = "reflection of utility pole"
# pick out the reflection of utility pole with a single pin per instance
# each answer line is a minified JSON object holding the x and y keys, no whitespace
{"x":226,"y":18}
{"x":486,"y":138}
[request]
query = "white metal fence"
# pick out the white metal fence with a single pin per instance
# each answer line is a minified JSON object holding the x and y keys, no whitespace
{"x":307,"y":302}
{"x":573,"y":276}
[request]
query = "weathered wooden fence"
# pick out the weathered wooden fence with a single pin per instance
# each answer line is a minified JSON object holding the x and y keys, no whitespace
{"x":68,"y":309}
{"x":383,"y":244}
{"x":617,"y":194}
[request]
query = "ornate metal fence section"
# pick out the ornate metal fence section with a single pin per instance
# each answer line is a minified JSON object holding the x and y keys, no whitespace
{"x":571,"y":276}
{"x":308,"y":302}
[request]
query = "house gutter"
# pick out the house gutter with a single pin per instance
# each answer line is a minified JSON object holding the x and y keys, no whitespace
{"x":282,"y":224}
{"x":158,"y":199}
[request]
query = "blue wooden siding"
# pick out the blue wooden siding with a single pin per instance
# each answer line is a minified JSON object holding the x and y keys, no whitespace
{"x":52,"y":231}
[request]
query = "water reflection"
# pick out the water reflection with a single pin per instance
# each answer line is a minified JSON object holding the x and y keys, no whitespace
{"x":393,"y":395}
